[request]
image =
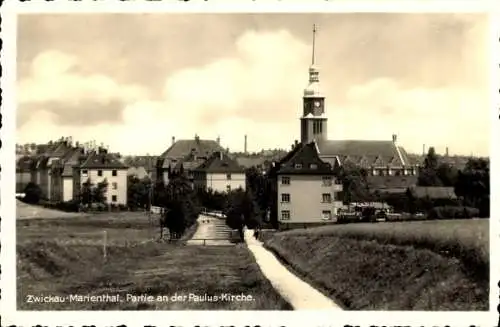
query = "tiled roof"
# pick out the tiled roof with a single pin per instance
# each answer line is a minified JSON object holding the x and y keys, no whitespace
{"x":365,"y":153}
{"x":388,"y":182}
{"x":219,"y":162}
{"x":249,"y":162}
{"x":102,"y":160}
{"x":181,"y":148}
{"x":304,"y":159}
{"x":189,"y":162}
{"x":147,"y":162}
{"x":433,"y":192}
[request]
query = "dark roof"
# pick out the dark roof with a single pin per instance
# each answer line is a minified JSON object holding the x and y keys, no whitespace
{"x":304,"y":159}
{"x":25,"y":163}
{"x":219,"y":162}
{"x":147,"y":162}
{"x":102,"y":160}
{"x":181,"y":148}
{"x":433,"y":192}
{"x":365,"y":153}
{"x":388,"y":182}
{"x":189,"y":162}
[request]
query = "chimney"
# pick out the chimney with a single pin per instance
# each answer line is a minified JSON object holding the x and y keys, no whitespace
{"x":394,"y":138}
{"x":173,"y":140}
{"x":423,"y":149}
{"x":196,"y":138}
{"x":218,"y":139}
{"x":296,"y":142}
{"x":227,"y":150}
{"x":245,"y":147}
{"x":446,"y":151}
{"x":221,"y":155}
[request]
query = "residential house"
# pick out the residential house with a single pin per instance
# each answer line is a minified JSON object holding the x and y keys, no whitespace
{"x":100,"y":166}
{"x":306,"y":187}
{"x":219,"y":173}
{"x":186,"y":153}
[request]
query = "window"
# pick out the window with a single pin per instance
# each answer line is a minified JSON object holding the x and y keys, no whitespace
{"x":313,"y":166}
{"x":327,"y":197}
{"x":228,"y":188}
{"x":326,"y":215}
{"x":85,"y":173}
{"x":113,"y":198}
{"x":298,"y":166}
{"x":114,"y":172}
{"x":285,"y":197}
{"x":327,"y":181}
{"x":285,"y":180}
{"x":228,"y":176}
{"x":115,"y":186}
{"x":285,"y":215}
{"x":99,"y":173}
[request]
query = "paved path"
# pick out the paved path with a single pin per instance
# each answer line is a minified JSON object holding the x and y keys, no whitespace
{"x":209,"y":227}
{"x":299,"y":294}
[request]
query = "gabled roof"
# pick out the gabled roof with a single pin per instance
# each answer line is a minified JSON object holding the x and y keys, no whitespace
{"x":378,"y":153}
{"x":181,"y":148}
{"x":304,"y":159}
{"x":219,"y":162}
{"x":102,"y":161}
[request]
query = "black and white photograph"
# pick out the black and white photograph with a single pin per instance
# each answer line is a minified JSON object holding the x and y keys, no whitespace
{"x":253,"y":161}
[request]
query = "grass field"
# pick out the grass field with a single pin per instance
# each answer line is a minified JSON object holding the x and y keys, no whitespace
{"x":64,"y":257}
{"x":427,"y":265}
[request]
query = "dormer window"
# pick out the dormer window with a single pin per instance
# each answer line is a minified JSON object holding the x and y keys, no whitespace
{"x":313,"y":166}
{"x":298,"y":166}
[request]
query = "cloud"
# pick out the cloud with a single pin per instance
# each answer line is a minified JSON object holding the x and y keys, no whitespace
{"x":380,"y":76}
{"x":57,"y":86}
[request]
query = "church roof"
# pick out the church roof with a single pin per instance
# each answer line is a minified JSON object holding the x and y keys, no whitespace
{"x":304,"y":159}
{"x":181,"y":148}
{"x":365,"y":153}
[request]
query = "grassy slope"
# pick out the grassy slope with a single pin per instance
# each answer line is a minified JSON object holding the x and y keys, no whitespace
{"x":431,"y":265}
{"x":51,"y":261}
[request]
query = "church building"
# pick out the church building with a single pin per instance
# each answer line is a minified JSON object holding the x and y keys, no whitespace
{"x":386,"y":162}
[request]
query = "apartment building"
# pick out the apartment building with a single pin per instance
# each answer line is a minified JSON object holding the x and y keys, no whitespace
{"x":306,"y":188}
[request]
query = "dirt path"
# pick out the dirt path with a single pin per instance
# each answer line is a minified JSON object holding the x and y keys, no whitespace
{"x":210,"y":228}
{"x":295,"y":291}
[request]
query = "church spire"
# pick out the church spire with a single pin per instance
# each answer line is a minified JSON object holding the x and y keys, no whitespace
{"x":314,"y":43}
{"x":313,"y":87}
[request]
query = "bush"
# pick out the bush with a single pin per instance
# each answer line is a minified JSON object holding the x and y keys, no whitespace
{"x":33,"y":193}
{"x":456,"y":212}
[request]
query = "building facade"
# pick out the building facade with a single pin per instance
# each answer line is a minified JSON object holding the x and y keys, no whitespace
{"x":307,"y":190}
{"x":219,"y":173}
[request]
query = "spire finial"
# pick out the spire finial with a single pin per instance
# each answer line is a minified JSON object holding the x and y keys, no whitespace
{"x":314,"y":42}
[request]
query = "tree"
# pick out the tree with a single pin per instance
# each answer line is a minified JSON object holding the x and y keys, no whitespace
{"x":32,"y":193}
{"x":473,"y":185}
{"x":428,"y":175}
{"x":182,"y":204}
{"x":242,"y":210}
{"x":99,"y":192}
{"x":354,"y":184}
{"x":85,"y":195}
{"x":447,"y":174}
{"x":138,"y":192}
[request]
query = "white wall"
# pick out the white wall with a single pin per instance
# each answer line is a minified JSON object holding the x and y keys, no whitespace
{"x":219,"y":182}
{"x":306,"y":196}
{"x":120,"y":179}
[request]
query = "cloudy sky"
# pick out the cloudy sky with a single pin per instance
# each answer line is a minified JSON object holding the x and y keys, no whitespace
{"x":134,"y":81}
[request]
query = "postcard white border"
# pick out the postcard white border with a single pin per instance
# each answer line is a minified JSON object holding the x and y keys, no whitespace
{"x":10,"y":316}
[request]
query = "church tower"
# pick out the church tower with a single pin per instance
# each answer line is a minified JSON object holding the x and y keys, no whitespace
{"x":313,"y":120}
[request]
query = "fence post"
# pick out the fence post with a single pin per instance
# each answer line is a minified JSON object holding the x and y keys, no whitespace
{"x":104,"y":250}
